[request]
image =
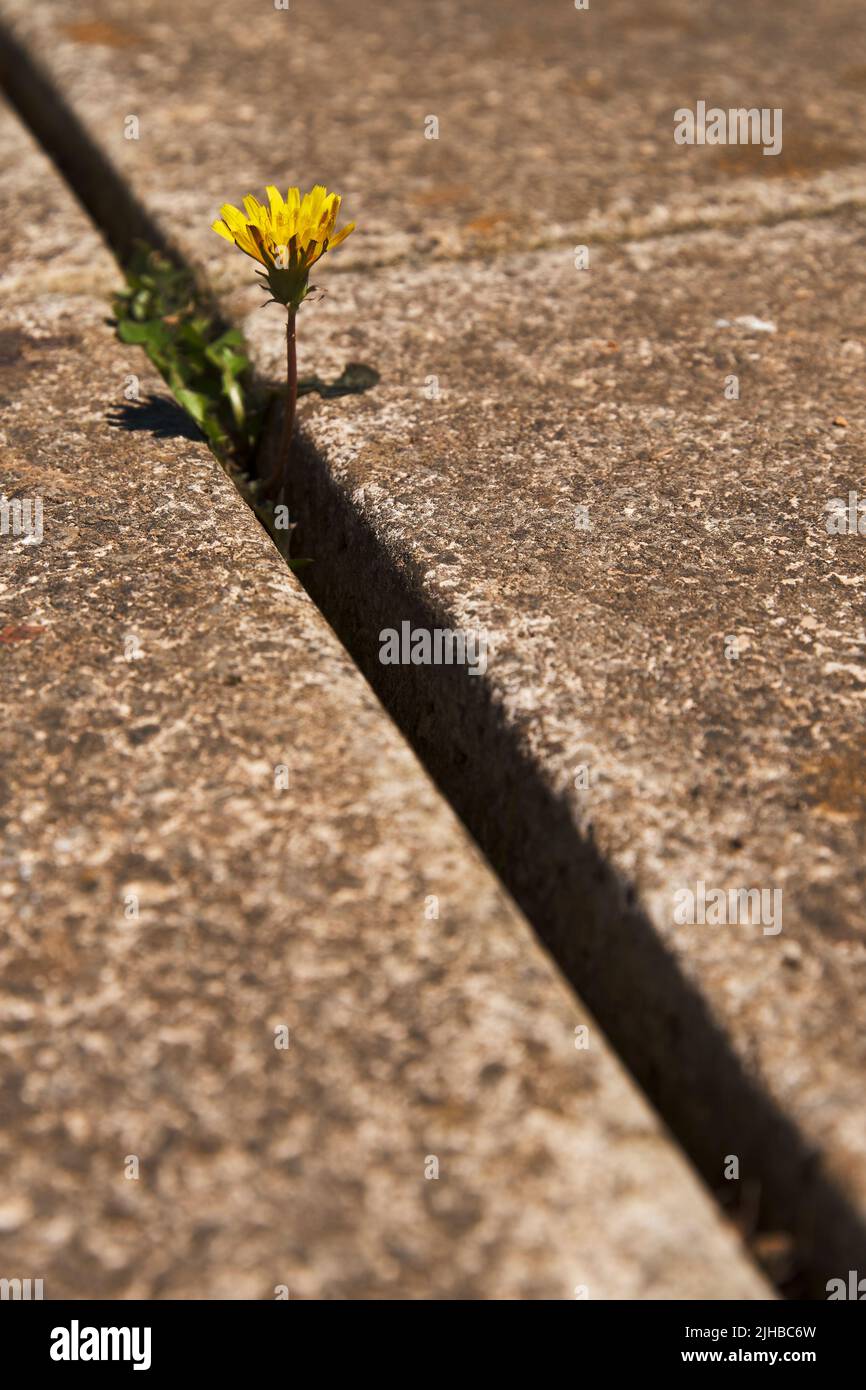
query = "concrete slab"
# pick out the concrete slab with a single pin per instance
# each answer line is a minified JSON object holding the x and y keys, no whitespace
{"x":551,"y":456}
{"x":555,"y":124}
{"x":677,"y":652}
{"x":215,"y":843}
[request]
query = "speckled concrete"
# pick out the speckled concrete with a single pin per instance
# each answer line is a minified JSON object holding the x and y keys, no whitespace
{"x":667,"y":610}
{"x":169,"y":907}
{"x":554,"y":125}
{"x":561,"y":390}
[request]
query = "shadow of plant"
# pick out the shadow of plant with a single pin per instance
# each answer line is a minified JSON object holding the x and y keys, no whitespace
{"x":159,"y":415}
{"x":354,"y":379}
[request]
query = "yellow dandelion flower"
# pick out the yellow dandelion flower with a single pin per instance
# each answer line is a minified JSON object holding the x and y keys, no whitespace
{"x":287,"y":237}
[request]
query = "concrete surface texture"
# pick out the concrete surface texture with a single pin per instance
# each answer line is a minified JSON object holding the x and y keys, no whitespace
{"x":170,"y":906}
{"x":564,"y":129}
{"x":620,"y":466}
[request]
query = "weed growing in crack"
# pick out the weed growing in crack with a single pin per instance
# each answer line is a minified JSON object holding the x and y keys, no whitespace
{"x":208,"y":371}
{"x":204,"y":363}
{"x":206,"y":367}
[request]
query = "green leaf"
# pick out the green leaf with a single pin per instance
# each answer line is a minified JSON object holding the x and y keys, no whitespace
{"x":236,"y":400}
{"x":152,"y":332}
{"x":203,"y":363}
{"x":197,"y":405}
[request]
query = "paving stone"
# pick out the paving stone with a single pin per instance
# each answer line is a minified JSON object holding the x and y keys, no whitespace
{"x":169,"y":908}
{"x":596,"y":397}
{"x":564,"y":131}
{"x":666,"y":609}
{"x":670,"y":621}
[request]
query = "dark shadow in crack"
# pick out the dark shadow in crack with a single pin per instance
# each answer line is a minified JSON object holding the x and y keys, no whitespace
{"x":159,"y":415}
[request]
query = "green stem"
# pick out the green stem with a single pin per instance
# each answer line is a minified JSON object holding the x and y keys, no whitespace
{"x":280,"y":477}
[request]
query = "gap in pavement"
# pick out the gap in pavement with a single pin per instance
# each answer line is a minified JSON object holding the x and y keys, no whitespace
{"x":651,"y":1013}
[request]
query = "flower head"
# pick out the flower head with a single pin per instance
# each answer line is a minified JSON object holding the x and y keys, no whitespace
{"x":287,"y":237}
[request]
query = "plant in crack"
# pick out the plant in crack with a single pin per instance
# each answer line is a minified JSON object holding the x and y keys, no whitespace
{"x":204,"y":363}
{"x":286,"y":238}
